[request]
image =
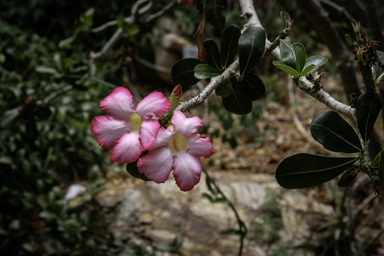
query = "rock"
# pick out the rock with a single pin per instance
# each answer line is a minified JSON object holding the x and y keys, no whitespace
{"x":158,"y":212}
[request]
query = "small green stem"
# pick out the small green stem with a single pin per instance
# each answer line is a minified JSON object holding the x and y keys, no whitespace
{"x":242,"y":227}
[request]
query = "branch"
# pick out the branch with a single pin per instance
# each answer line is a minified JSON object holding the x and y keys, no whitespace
{"x":131,"y":19}
{"x":54,"y":95}
{"x":213,"y":84}
{"x":342,"y":11}
{"x":325,"y":98}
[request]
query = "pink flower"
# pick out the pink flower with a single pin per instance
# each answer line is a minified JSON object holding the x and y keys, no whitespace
{"x":129,"y":131}
{"x":190,"y":2}
{"x":177,"y":148}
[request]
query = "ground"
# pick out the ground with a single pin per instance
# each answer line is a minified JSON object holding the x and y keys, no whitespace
{"x":279,"y":221}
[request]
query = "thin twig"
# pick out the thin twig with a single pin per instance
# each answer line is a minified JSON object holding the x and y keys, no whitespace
{"x":54,"y":95}
{"x":153,"y":66}
{"x":242,"y":227}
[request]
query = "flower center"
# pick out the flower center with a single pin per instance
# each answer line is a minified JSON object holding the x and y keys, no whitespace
{"x":134,"y":122}
{"x":177,"y":143}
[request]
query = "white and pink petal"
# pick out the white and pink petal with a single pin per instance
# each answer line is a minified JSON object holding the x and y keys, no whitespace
{"x":148,"y":132}
{"x":127,"y":149}
{"x":187,"y":170}
{"x":185,"y":126}
{"x":162,"y":139}
{"x":119,"y":103}
{"x":108,"y":129}
{"x":154,"y":105}
{"x":157,"y":165}
{"x":200,"y":147}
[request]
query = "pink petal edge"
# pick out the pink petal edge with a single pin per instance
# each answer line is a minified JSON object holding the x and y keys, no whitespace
{"x":127,"y":149}
{"x":187,"y":170}
{"x":119,"y":103}
{"x":108,"y":129}
{"x":148,"y":132}
{"x":157,"y":165}
{"x":200,"y":147}
{"x":154,"y":105}
{"x":185,"y":126}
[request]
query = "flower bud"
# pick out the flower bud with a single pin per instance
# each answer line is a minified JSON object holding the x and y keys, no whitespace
{"x":175,"y":97}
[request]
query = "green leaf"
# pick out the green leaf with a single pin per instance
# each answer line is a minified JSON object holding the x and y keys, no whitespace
{"x":367,"y":109}
{"x":134,"y":171}
{"x":205,"y":71}
{"x":379,"y":161}
{"x":235,"y":102}
{"x":251,"y":48}
{"x":57,"y":61}
{"x":224,"y":90}
{"x":215,"y":12}
{"x":318,"y":61}
{"x":66,"y":43}
{"x":287,"y":54}
{"x":349,"y":40}
{"x":347,"y":178}
{"x":213,"y":54}
{"x":307,"y":69}
{"x":207,"y":196}
{"x":229,"y":45}
{"x":183,"y":72}
{"x":285,"y":17}
{"x":334,"y":133}
{"x":46,"y":69}
{"x":252,"y":87}
{"x":286,"y":68}
{"x":301,"y":56}
{"x":306,"y":170}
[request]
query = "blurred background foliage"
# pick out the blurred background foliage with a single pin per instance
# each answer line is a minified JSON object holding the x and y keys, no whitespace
{"x":49,"y":94}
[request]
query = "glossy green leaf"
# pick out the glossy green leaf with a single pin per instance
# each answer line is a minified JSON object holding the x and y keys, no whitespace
{"x":251,"y":48}
{"x":349,"y":40}
{"x":252,"y":87}
{"x":301,"y":56}
{"x":307,"y":69}
{"x":287,"y":54}
{"x":215,"y":12}
{"x":306,"y":170}
{"x":286,"y":68}
{"x":334,"y":133}
{"x":224,"y":89}
{"x":134,"y":171}
{"x":285,"y":17}
{"x":213,"y":54}
{"x":205,"y":71}
{"x":229,"y":45}
{"x":367,"y":109}
{"x":235,"y":102}
{"x":347,"y":178}
{"x":318,"y":61}
{"x":183,"y":72}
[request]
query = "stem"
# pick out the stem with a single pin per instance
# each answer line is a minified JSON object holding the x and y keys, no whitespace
{"x":242,"y":227}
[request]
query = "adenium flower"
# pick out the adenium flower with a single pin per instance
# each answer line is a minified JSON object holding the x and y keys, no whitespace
{"x":190,"y":2}
{"x":129,"y":131}
{"x":177,"y":148}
